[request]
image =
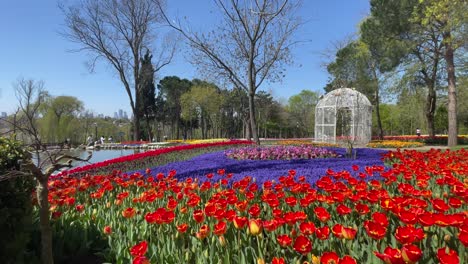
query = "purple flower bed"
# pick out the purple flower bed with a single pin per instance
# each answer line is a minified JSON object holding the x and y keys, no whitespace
{"x":263,"y":170}
{"x":280,"y":153}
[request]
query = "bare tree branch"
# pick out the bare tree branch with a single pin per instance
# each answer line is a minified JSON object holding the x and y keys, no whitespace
{"x":119,"y":31}
{"x":249,"y":46}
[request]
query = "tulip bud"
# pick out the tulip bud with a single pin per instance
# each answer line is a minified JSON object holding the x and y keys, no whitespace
{"x":315,"y":259}
{"x":222,"y":241}
{"x":260,"y":261}
{"x":107,"y":230}
{"x":447,"y":238}
{"x":255,"y":226}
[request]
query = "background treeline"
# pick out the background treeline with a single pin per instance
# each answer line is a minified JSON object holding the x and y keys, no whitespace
{"x":195,"y":109}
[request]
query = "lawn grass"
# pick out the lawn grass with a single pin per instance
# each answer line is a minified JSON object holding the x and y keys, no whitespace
{"x":459,"y":147}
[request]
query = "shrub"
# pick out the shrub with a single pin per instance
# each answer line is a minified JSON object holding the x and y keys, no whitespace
{"x":280,"y":153}
{"x":15,"y":205}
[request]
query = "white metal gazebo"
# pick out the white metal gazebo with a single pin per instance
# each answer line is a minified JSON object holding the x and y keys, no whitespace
{"x":343,"y":114}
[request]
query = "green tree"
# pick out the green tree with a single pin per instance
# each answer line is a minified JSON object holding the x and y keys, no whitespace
{"x":431,"y":30}
{"x":449,"y":18}
{"x":64,"y":109}
{"x":170,"y":90}
{"x":391,"y":22}
{"x":356,"y":66}
{"x":147,"y":93}
{"x":462,"y":107}
{"x":205,"y":100}
{"x":302,"y":108}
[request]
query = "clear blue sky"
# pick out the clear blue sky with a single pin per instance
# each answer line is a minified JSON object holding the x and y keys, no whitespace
{"x":31,"y":47}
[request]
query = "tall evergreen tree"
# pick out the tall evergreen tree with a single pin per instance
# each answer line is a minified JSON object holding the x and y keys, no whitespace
{"x":147,"y":93}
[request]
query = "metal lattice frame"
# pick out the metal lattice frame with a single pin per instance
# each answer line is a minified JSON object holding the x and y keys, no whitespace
{"x":330,"y":109}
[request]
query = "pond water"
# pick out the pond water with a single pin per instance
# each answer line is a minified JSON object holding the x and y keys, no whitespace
{"x":99,"y":155}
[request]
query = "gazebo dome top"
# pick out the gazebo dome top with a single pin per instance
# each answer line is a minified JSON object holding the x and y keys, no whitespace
{"x":344,"y":97}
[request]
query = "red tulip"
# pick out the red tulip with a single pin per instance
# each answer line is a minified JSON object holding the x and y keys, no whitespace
{"x":254,"y":210}
{"x":182,"y":228}
{"x":322,"y":214}
{"x":440,"y":205}
{"x":463,"y":235}
{"x":447,"y":256}
{"x":241,"y":205}
{"x":139,"y":249}
{"x":291,"y":201}
{"x":391,"y":256}
{"x":411,"y":253}
{"x":455,"y":202}
{"x":348,"y":233}
{"x":203,"y":232}
{"x":277,"y":260}
{"x":329,"y":258}
{"x":220,"y":228}
{"x":302,"y":245}
{"x":409,"y":234}
{"x":80,"y":208}
{"x":270,"y":225}
{"x":337,"y":230}
{"x":347,"y":260}
{"x":343,"y":209}
{"x":284,"y":240}
{"x":140,"y":260}
{"x":322,"y":233}
{"x":129,"y":212}
{"x":307,"y":228}
{"x":374,"y":230}
{"x":239,"y":221}
{"x":56,"y":214}
{"x":198,"y":216}
{"x":380,"y":219}
{"x":362,"y":209}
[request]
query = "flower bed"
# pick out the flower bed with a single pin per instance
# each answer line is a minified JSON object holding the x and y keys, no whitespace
{"x":280,"y":153}
{"x":394,"y":144}
{"x":304,"y":142}
{"x":203,"y":141}
{"x":436,"y":140}
{"x":134,"y":142}
{"x":202,"y":166}
{"x":150,"y":158}
{"x":414,"y":211}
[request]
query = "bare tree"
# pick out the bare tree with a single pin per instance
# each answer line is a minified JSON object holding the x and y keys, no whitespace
{"x":119,"y":31}
{"x":249,"y":46}
{"x":31,"y":96}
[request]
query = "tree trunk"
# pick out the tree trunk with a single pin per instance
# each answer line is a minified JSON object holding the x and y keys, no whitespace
{"x":430,"y":109}
{"x":202,"y":121}
{"x":253,"y":122}
{"x":452,"y":92}
{"x":148,"y":127}
{"x":136,"y":126}
{"x":377,"y":103}
{"x":247,"y":130}
{"x":177,"y":130}
{"x":46,"y":231}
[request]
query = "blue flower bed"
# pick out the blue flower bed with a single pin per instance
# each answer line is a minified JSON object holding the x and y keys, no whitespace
{"x":263,"y":170}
